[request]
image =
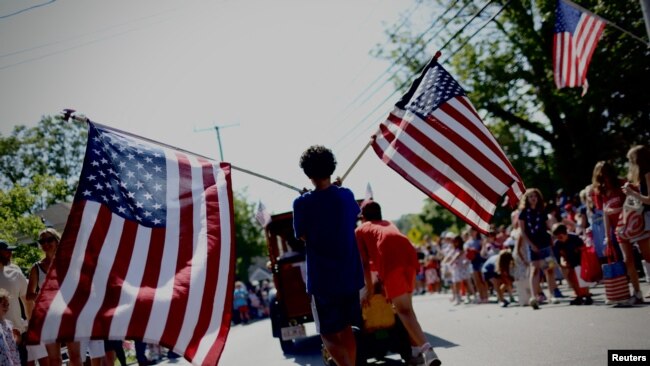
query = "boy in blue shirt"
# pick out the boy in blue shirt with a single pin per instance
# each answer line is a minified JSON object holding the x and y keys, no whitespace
{"x":325,"y":219}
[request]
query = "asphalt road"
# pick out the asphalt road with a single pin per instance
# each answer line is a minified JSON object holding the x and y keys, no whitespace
{"x":481,"y":334}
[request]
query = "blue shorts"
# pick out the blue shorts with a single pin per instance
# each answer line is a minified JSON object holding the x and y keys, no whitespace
{"x":489,"y":271}
{"x":477,"y":263}
{"x":541,"y":254}
{"x":335,"y":313}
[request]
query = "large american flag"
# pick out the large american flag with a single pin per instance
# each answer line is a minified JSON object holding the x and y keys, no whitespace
{"x":147,"y":252}
{"x":576,"y":35}
{"x":435,"y":139}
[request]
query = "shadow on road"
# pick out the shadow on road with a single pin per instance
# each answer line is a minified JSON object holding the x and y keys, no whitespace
{"x":438,"y":342}
{"x":306,"y":350}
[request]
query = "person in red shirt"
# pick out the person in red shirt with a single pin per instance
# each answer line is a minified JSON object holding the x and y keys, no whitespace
{"x":386,"y":250}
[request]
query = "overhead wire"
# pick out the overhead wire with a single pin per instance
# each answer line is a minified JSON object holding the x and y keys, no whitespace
{"x":404,"y":54}
{"x":420,"y":48}
{"x":26,"y":9}
{"x":83,"y":44}
{"x":406,"y":82}
{"x":405,"y":19}
{"x":476,"y":32}
{"x":137,"y":20}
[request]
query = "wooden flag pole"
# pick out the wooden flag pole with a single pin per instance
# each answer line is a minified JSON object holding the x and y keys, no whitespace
{"x":365,"y":148}
{"x":67,"y":115}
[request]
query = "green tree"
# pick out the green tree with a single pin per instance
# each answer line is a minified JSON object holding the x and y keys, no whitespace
{"x":507,"y":71}
{"x":53,"y":148}
{"x":249,"y":241}
{"x":39,"y":167}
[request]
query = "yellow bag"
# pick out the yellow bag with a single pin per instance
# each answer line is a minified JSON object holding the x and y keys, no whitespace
{"x":377,"y":314}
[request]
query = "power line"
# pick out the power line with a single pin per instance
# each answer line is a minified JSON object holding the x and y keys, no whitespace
{"x":405,"y":19}
{"x":83,"y":44}
{"x":477,"y":31}
{"x":26,"y":9}
{"x":420,"y":49}
{"x":406,"y":82}
{"x":137,"y":20}
{"x":404,"y":54}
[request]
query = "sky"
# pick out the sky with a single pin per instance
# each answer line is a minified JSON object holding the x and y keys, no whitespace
{"x":278,"y":76}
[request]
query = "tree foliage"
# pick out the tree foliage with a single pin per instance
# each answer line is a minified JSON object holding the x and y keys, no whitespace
{"x":553,"y":137}
{"x":248,"y":236}
{"x":54,"y":148}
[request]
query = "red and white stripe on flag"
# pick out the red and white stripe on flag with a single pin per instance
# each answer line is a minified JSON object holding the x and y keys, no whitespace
{"x":572,"y":51}
{"x":452,"y":157}
{"x":115,"y":278}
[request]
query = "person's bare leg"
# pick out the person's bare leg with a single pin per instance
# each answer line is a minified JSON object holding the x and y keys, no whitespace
{"x":341,"y":346}
{"x":550,"y":279}
{"x":109,"y":358}
{"x":74,"y":353}
{"x":54,"y":354}
{"x":497,"y":287}
{"x":481,"y":285}
{"x":534,"y":280}
{"x":404,"y":307}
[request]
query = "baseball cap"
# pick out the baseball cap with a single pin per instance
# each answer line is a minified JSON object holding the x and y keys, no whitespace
{"x":5,"y":246}
{"x":450,"y":235}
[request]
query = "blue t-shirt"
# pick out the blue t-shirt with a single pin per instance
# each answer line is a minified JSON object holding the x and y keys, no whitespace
{"x":327,"y":219}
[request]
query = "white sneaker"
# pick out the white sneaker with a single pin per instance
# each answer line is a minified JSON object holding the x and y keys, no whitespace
{"x":555,"y":300}
{"x":431,"y":358}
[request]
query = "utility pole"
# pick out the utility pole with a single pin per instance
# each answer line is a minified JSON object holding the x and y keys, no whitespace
{"x":217,"y":128}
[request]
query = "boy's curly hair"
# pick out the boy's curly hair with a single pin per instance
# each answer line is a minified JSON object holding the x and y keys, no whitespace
{"x":318,"y":162}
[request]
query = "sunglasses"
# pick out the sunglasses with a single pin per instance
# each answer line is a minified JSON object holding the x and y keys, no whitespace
{"x":46,"y":240}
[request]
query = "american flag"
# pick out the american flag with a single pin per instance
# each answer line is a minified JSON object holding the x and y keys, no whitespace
{"x":435,"y":139}
{"x":576,"y":35}
{"x":262,"y":215}
{"x":147,"y":252}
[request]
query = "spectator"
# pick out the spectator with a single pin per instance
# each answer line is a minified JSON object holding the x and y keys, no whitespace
{"x":639,"y":177}
{"x":325,"y":219}
{"x":397,"y":262}
{"x":608,"y":198}
{"x":15,"y":283}
{"x":567,"y":248}
{"x":51,"y":238}
{"x":432,"y":277}
{"x":8,"y":349}
{"x":534,"y":230}
{"x":496,"y":269}
{"x":473,"y":250}
{"x":240,"y":302}
{"x":47,"y":240}
{"x":461,"y":271}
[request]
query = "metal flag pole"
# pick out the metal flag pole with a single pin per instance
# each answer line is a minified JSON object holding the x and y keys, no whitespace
{"x":67,"y":115}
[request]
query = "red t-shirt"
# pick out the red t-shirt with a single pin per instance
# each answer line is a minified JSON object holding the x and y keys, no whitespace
{"x":385,"y":246}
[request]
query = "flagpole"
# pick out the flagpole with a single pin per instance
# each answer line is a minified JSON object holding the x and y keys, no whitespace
{"x":610,"y":23}
{"x":267,"y":178}
{"x":356,"y":160}
{"x":86,"y":120}
{"x":365,"y":148}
